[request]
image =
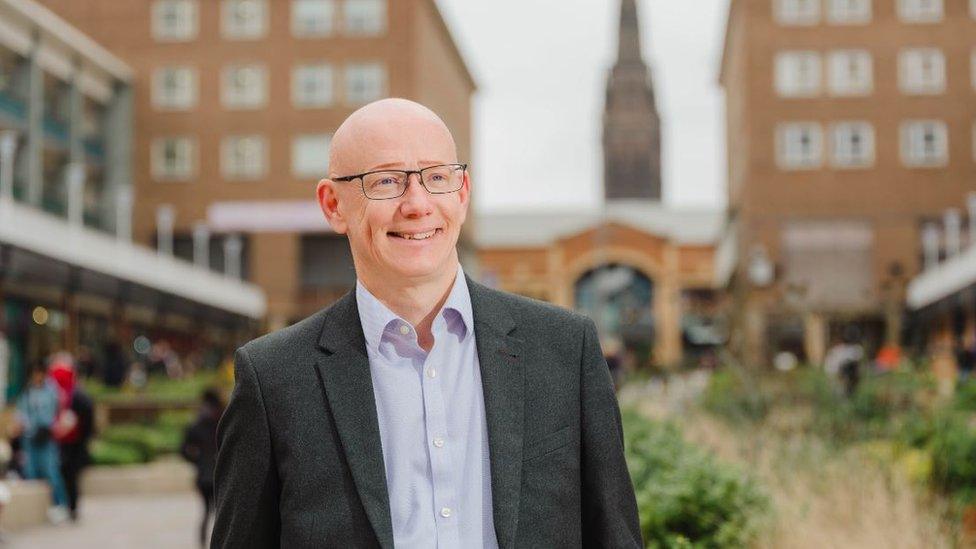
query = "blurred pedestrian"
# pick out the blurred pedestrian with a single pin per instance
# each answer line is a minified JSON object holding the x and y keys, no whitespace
{"x":200,"y":448}
{"x":115,"y":366}
{"x":73,"y":429}
{"x":38,"y":408}
{"x":844,"y":360}
{"x":4,"y":364}
{"x":85,"y":362}
{"x":966,"y":354}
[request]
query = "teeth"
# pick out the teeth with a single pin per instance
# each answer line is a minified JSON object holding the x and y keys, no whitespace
{"x":417,"y":236}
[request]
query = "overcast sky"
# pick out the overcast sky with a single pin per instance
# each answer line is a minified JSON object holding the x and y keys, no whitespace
{"x":541,"y":67}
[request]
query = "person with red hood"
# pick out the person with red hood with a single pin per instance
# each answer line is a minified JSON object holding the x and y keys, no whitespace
{"x":74,"y":426}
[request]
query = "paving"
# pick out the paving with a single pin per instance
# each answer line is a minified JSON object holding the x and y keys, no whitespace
{"x":121,"y":522}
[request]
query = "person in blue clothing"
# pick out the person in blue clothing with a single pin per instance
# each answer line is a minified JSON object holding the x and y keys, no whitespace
{"x":38,"y":409}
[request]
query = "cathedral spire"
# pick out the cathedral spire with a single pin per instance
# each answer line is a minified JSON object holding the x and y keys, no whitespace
{"x":631,"y":126}
{"x":629,"y":46}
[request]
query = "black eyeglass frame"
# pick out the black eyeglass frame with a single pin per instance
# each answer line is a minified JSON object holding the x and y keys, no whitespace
{"x":420,"y":176}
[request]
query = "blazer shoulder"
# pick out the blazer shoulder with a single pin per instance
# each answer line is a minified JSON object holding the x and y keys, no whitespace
{"x":529,"y":311}
{"x":289,"y":343}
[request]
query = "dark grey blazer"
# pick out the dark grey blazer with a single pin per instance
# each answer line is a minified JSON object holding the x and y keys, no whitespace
{"x":300,"y":463}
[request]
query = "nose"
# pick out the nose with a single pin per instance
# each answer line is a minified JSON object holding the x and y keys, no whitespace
{"x":415,"y":201}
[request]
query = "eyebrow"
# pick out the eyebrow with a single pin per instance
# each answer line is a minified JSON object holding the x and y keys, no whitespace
{"x":398,"y":165}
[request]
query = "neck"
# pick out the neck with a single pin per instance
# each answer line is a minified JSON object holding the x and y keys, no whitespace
{"x":417,"y":302}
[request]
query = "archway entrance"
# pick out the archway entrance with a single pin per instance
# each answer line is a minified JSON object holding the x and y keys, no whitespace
{"x":620,"y":300}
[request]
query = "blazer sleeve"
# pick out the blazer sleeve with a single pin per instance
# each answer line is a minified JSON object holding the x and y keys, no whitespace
{"x":609,"y":507}
{"x":245,"y":480}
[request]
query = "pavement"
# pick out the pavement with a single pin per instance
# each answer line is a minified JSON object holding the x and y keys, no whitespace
{"x":168,"y":521}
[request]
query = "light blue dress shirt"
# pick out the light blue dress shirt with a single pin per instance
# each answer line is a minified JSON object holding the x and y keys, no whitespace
{"x":431,"y":414}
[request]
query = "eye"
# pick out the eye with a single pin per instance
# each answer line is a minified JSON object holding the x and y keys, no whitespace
{"x":386,"y":181}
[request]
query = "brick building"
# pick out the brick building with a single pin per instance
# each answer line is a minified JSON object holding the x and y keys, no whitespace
{"x":234,"y":105}
{"x":70,"y":276}
{"x":851,"y":125}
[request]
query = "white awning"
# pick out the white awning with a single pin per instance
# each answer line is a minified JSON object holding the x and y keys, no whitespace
{"x":943,"y":280}
{"x":267,"y":216}
{"x":53,"y":237}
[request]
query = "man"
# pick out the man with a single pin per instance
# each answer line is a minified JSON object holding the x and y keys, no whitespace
{"x":422,"y":409}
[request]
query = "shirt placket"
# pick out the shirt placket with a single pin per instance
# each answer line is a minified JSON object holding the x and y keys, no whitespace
{"x":441,"y":466}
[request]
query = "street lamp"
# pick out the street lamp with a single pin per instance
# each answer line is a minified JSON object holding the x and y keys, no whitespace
{"x":8,"y":146}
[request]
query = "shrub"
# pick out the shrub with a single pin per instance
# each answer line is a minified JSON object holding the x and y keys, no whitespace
{"x":954,"y":457}
{"x":145,"y":441}
{"x":685,"y":497}
{"x":104,"y":452}
{"x":730,"y":395}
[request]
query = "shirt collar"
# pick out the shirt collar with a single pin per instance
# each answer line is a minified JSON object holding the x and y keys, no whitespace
{"x":375,"y":316}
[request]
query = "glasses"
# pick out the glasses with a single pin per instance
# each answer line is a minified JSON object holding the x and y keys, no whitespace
{"x":387,"y":184}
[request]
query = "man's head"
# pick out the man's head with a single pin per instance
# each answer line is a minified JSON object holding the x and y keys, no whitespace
{"x":395,"y":134}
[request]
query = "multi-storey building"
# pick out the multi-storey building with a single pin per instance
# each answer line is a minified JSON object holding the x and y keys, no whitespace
{"x":851,"y":125}
{"x":235,"y":102}
{"x":70,"y":277}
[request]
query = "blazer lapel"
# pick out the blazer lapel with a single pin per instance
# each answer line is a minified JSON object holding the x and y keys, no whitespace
{"x":502,"y":380}
{"x":343,"y":368}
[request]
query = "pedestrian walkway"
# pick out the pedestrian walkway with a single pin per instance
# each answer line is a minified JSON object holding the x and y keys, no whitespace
{"x":121,"y":522}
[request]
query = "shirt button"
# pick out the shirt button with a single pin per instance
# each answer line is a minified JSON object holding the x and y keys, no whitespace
{"x":439,"y":442}
{"x":431,"y":372}
{"x":404,"y":329}
{"x":446,"y":512}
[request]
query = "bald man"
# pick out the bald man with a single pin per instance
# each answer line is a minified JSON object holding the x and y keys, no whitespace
{"x":421,"y":409}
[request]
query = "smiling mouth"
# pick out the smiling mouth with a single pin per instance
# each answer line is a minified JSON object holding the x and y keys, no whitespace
{"x":415,"y":236}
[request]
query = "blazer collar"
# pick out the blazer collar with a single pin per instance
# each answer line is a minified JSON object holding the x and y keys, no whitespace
{"x":503,"y":383}
{"x":343,"y":369}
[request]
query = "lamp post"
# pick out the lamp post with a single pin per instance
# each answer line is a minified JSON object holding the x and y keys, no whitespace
{"x":232,"y":256}
{"x":165,"y":217}
{"x":76,"y":193}
{"x":123,"y":213}
{"x":8,"y":146}
{"x":953,"y":231}
{"x":201,"y":245}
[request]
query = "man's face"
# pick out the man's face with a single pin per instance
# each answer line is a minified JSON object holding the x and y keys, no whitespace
{"x":378,"y":229}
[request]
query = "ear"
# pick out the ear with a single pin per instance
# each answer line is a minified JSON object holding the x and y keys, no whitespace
{"x":328,"y":196}
{"x":464,"y":195}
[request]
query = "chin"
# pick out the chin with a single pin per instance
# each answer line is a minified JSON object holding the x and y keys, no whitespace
{"x":418,"y":267}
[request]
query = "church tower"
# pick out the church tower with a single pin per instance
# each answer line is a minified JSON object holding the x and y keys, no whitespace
{"x":631,"y":126}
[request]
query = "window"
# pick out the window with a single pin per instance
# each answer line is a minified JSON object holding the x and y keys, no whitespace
{"x":849,"y":12}
{"x":174,"y":20}
{"x":243,"y":157}
{"x":797,"y":73}
{"x":924,"y":143}
{"x":920,"y":11}
{"x":921,"y":71}
{"x":173,"y":158}
{"x":852,"y":145}
{"x":311,"y":85}
{"x":365,"y":82}
{"x":797,"y":12}
{"x":365,"y":17}
{"x":799,"y":145}
{"x":311,"y":18}
{"x":244,"y":19}
{"x":310,"y":156}
{"x":850,"y":72}
{"x":174,"y":88}
{"x":244,"y":86}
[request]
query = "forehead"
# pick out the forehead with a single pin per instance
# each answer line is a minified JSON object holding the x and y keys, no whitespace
{"x":397,"y":141}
